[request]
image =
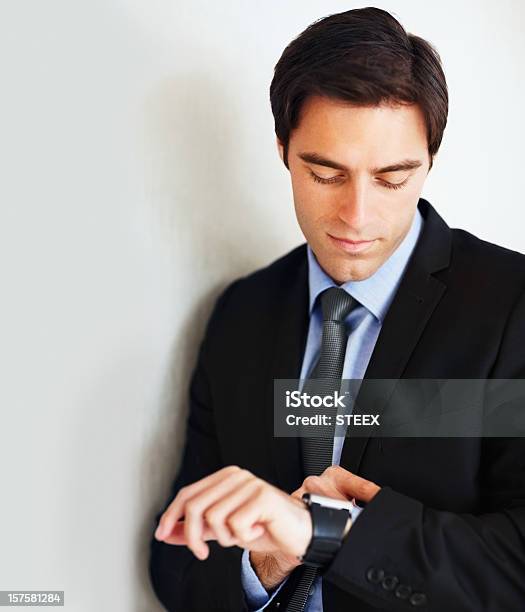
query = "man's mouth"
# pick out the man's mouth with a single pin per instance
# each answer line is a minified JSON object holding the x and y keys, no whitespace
{"x":351,"y":246}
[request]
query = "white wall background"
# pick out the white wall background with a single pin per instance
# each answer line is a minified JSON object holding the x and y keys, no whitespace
{"x":139,"y":175}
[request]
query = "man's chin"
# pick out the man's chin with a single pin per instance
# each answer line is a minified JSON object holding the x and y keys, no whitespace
{"x":352,"y":273}
{"x":347,"y":267}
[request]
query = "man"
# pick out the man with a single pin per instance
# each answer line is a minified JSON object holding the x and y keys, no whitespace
{"x":360,"y":108}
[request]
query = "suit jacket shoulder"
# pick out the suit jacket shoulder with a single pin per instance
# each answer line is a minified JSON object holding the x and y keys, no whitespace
{"x":273,"y":277}
{"x":502,"y":268}
{"x":250,"y":305}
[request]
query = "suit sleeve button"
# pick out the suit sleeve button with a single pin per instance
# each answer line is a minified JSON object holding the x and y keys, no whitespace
{"x":403,"y":591}
{"x":374,"y":575}
{"x":418,"y":599}
{"x":389,"y":583}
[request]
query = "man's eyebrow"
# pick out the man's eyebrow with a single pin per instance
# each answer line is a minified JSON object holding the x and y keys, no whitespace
{"x":319,"y":160}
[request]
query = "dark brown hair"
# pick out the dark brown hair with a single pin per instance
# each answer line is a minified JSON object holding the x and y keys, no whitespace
{"x":364,"y":57}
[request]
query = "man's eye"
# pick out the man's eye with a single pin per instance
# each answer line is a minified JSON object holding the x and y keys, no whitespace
{"x":324,"y":181}
{"x":388,"y":185}
{"x":338,"y":179}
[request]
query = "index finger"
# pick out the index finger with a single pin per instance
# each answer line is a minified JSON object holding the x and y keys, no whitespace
{"x":176,"y":509}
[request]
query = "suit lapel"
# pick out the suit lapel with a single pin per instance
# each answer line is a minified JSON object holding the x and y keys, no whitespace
{"x":416,"y":298}
{"x":288,"y":348}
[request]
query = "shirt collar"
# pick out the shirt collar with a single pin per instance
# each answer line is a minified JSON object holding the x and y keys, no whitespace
{"x":376,"y":292}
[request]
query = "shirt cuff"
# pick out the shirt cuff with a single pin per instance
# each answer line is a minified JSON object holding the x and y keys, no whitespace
{"x":355,"y":512}
{"x":257,"y":597}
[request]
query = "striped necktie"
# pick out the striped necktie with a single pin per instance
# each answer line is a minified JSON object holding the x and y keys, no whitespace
{"x":336,"y":304}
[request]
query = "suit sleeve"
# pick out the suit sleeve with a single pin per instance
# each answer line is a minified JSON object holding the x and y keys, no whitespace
{"x":402,"y":555}
{"x":181,"y":581}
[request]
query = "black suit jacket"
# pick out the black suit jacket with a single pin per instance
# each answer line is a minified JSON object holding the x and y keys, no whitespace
{"x":449,"y":520}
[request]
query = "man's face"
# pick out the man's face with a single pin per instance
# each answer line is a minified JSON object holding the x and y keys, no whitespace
{"x":353,"y":147}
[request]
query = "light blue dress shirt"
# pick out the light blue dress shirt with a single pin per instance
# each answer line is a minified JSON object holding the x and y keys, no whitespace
{"x":375,"y":295}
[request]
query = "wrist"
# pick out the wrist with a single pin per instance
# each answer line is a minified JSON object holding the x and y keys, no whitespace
{"x":272,"y":568}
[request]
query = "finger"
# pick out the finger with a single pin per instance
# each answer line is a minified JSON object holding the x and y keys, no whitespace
{"x":350,"y":484}
{"x":197,"y":505}
{"x":177,"y":535}
{"x":176,"y":509}
{"x":322,"y":486}
{"x":216,"y":514}
{"x":247,"y":519}
{"x":298,"y":493}
{"x":178,"y":538}
{"x":274,"y":510}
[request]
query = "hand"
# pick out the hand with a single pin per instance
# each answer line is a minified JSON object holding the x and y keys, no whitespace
{"x":338,"y":483}
{"x":335,"y":482}
{"x":235,"y":507}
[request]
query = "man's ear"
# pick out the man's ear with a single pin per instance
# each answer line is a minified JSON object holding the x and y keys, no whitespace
{"x":280,"y":148}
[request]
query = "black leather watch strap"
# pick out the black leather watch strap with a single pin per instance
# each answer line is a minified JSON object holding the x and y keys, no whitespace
{"x":328,"y":526}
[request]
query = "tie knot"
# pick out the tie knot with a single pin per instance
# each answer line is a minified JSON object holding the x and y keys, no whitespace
{"x":336,"y":304}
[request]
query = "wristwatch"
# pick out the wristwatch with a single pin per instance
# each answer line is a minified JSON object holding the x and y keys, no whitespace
{"x":331,"y":521}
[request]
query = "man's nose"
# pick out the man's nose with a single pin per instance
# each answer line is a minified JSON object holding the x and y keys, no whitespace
{"x":353,"y":205}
